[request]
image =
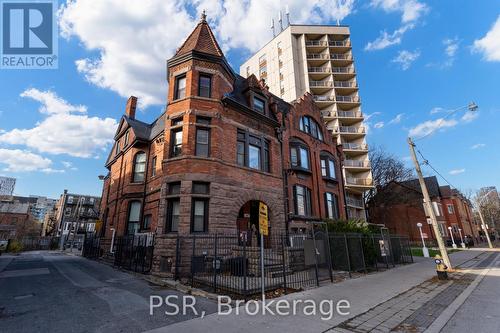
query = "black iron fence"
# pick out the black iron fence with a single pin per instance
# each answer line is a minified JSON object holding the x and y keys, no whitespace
{"x":38,"y":243}
{"x":232,"y":263}
{"x":133,"y":252}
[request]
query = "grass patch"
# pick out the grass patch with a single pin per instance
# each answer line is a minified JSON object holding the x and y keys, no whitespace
{"x":417,"y":251}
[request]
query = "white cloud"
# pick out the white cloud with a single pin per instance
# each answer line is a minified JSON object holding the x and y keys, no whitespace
{"x":456,"y":171}
{"x":478,"y":145}
{"x":62,"y":132}
{"x":397,"y":119}
{"x":430,"y":126}
{"x":370,"y":115}
{"x":69,"y":165}
{"x":380,"y":124}
{"x":406,"y":58}
{"x":17,"y":160}
{"x":437,"y":109}
{"x":134,"y":38}
{"x":385,"y":39}
{"x":470,"y":116}
{"x":489,"y":45}
{"x":411,"y":10}
{"x":451,"y":46}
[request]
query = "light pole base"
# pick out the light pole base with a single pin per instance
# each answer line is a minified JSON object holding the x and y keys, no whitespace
{"x":425,"y":251}
{"x":463,"y":245}
{"x":454,"y":245}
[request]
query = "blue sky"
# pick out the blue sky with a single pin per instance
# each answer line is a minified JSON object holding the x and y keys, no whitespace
{"x":415,"y":59}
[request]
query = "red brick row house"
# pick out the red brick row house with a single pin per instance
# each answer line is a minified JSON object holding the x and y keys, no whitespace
{"x":223,"y":145}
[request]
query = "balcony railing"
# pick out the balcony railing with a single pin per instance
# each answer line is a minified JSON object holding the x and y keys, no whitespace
{"x":348,"y":99}
{"x":349,"y":114}
{"x":343,"y":70}
{"x":344,"y":84}
{"x":327,"y":84}
{"x":354,"y":202}
{"x":359,"y":181}
{"x":350,"y":129}
{"x":338,"y":43}
{"x":319,"y":70}
{"x":357,"y":164}
{"x":319,"y":98}
{"x":355,"y":146}
{"x":317,"y":56}
{"x":316,"y":43}
{"x":338,"y":56}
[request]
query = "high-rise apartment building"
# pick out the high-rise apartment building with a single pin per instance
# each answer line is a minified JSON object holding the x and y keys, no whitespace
{"x":318,"y":59}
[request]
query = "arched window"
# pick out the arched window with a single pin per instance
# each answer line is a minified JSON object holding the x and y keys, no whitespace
{"x":311,"y":127}
{"x":134,"y":216}
{"x":139,"y":167}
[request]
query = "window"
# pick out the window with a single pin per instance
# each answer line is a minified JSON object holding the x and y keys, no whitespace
{"x":302,"y":196}
{"x":199,"y":216}
{"x":153,"y":167}
{"x":180,"y":87}
{"x":328,"y":167}
{"x":125,"y":140}
{"x":203,"y":121}
{"x":311,"y":127}
{"x":201,"y":188}
{"x":173,"y":213}
{"x":146,"y":223}
{"x":92,"y":200}
{"x":451,"y":210}
{"x":252,"y":151}
{"x":70,"y":199}
{"x":174,"y":188}
{"x":67,"y":212}
{"x":176,"y":121}
{"x":332,"y":211}
{"x":117,"y":147}
{"x":299,"y":157}
{"x":202,"y":142}
{"x":176,"y":142}
{"x":259,"y":105}
{"x":205,"y":85}
{"x":134,"y":213}
{"x":139,"y":167}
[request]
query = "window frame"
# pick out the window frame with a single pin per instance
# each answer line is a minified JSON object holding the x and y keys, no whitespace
{"x":260,"y":142}
{"x":134,"y":167}
{"x":150,"y":216}
{"x":170,"y":210}
{"x":205,"y":213}
{"x":197,"y":143}
{"x":173,"y":145}
{"x":300,"y":147}
{"x":154,"y":160}
{"x":452,"y":210}
{"x":260,"y":99}
{"x":178,"y":78}
{"x":138,"y":222}
{"x":205,"y":76}
{"x":310,"y":126}
{"x":329,"y":161}
{"x":307,"y":201}
{"x":334,"y":207}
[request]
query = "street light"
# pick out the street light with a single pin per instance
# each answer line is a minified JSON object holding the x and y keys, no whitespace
{"x":425,"y":251}
{"x":461,"y":238}
{"x":452,"y":239}
{"x":484,"y":226}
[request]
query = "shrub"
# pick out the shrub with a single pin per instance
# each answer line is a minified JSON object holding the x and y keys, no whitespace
{"x":15,"y":246}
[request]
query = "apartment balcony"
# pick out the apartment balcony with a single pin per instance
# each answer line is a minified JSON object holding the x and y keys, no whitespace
{"x":359,"y":165}
{"x":341,"y":59}
{"x":354,"y":202}
{"x":351,"y":131}
{"x":348,"y":87}
{"x":359,"y":182}
{"x":320,"y":86}
{"x":348,"y":117}
{"x":323,"y":101}
{"x":347,"y":102}
{"x":316,"y":59}
{"x":355,"y":147}
{"x":316,"y":44}
{"x":319,"y":73}
{"x":343,"y":73}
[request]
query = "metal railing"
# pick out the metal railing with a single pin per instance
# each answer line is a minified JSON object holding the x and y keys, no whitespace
{"x":354,"y":202}
{"x":348,"y":99}
{"x":317,"y":56}
{"x":357,"y":164}
{"x":339,"y":56}
{"x":316,"y":43}
{"x":343,"y":70}
{"x":344,"y":84}
{"x":359,"y":181}
{"x":350,"y":129}
{"x":327,"y":84}
{"x":319,"y":70}
{"x":319,"y":98}
{"x":339,"y":43}
{"x":349,"y":114}
{"x":355,"y":146}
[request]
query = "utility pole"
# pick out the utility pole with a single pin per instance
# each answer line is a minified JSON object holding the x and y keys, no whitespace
{"x":428,"y":205}
{"x":484,"y":225}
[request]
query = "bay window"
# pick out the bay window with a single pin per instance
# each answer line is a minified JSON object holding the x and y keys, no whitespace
{"x":302,"y":200}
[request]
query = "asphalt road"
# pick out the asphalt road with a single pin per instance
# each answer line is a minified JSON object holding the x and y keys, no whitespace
{"x":53,"y":292}
{"x":481,"y":310}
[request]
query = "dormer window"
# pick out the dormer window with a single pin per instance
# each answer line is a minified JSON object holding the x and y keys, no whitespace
{"x":259,"y":105}
{"x":311,"y":127}
{"x":125,"y":140}
{"x":180,"y":87}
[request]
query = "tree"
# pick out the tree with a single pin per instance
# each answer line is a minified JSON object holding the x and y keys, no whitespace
{"x":386,"y":168}
{"x":489,"y":203}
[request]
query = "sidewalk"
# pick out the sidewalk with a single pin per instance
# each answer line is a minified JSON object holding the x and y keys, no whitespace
{"x":363,"y":294}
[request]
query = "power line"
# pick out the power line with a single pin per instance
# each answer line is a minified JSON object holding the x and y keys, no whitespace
{"x":426,"y":162}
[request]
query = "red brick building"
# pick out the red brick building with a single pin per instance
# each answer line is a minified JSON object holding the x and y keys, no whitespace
{"x":223,"y":145}
{"x":399,"y":206}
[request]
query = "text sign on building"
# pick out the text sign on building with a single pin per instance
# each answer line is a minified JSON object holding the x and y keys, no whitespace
{"x":28,"y":34}
{"x":263,"y":219}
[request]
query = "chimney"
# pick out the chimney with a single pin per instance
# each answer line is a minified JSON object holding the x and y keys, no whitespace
{"x":130,"y":108}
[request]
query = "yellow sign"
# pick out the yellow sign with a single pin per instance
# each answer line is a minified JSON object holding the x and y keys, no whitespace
{"x":263,"y":219}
